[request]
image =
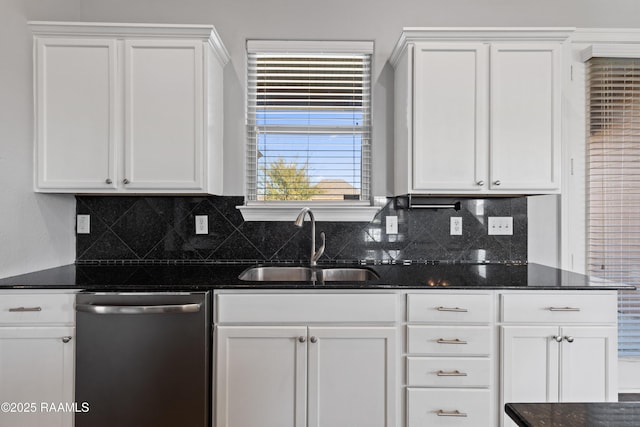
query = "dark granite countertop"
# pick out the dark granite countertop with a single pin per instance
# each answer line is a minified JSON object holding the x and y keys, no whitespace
{"x":609,"y":414}
{"x":217,"y":276}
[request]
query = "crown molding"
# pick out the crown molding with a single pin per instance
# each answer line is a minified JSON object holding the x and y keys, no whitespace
{"x":132,"y":30}
{"x":478,"y":34}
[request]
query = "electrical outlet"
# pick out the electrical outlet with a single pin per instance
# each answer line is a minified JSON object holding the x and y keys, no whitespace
{"x":456,"y":226}
{"x":83,"y":224}
{"x":392,"y":225}
{"x":501,"y":225}
{"x":202,"y":224}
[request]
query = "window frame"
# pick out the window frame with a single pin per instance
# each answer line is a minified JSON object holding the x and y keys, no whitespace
{"x":280,"y":210}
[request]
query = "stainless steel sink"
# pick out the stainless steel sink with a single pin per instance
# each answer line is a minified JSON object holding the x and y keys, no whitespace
{"x":348,"y":274}
{"x":277,"y":274}
{"x":308,"y":274}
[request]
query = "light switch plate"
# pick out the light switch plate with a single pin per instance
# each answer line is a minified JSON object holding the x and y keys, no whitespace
{"x":83,"y":224}
{"x":392,"y":225}
{"x":456,"y":226}
{"x":202,"y":224}
{"x":501,"y":225}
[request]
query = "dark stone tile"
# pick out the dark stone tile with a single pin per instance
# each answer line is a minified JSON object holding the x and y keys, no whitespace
{"x":141,"y":228}
{"x":173,"y":246}
{"x":338,"y":235}
{"x":109,"y":246}
{"x":97,"y":229}
{"x":108,"y":208}
{"x":236,"y":247}
{"x":297,"y":248}
{"x":172,"y":210}
{"x":162,"y":227}
{"x":362,"y":246}
{"x":219,"y":229}
{"x":269,"y":237}
{"x":227,"y":206}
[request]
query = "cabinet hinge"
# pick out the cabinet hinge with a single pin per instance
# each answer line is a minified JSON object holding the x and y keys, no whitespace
{"x":572,"y":167}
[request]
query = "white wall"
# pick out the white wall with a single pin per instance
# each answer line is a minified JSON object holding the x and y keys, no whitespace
{"x":543,"y":241}
{"x":36,"y":231}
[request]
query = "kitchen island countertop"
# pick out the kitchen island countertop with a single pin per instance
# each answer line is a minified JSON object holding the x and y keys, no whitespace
{"x":391,"y":276}
{"x":606,"y":414}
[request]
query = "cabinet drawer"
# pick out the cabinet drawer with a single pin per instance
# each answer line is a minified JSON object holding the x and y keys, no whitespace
{"x":448,"y":372}
{"x":306,"y":308}
{"x":449,"y":308}
{"x":559,"y":308}
{"x":35,"y":308}
{"x":449,"y":340}
{"x":438,"y":407}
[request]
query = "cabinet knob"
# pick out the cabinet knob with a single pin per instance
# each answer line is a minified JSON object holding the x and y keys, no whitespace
{"x":480,"y":183}
{"x":108,"y":181}
{"x":66,"y":339}
{"x":313,"y":340}
{"x":302,"y":339}
{"x":557,"y":338}
{"x":497,"y":182}
{"x":568,"y":339}
{"x":125,"y":181}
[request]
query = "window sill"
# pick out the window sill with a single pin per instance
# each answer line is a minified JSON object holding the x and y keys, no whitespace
{"x":321,"y":212}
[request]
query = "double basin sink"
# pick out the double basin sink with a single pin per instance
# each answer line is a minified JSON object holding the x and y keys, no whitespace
{"x":307,"y":274}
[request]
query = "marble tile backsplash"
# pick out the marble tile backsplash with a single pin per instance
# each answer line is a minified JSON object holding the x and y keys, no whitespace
{"x":163,"y":228}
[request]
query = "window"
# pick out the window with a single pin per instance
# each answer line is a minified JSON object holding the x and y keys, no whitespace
{"x":613,"y":185}
{"x":309,"y":122}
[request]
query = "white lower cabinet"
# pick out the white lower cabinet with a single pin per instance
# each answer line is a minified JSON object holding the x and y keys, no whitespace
{"x":323,"y":359}
{"x":305,"y":374}
{"x":449,"y":359}
{"x":562,"y":348}
{"x":36,"y":360}
{"x":448,"y":407}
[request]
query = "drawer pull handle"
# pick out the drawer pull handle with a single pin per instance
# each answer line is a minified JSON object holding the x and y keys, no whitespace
{"x":453,"y":341}
{"x":568,"y":339}
{"x":564,"y":308}
{"x":454,"y":309}
{"x":24,"y":309}
{"x":455,"y":413}
{"x":455,"y":373}
{"x":66,"y":339}
{"x":557,"y":338}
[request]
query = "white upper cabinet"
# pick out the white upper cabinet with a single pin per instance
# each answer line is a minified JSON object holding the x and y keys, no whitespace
{"x":525,"y":117}
{"x":450,"y":116}
{"x":478,"y":111}
{"x":75,"y":113}
{"x":128,"y":108}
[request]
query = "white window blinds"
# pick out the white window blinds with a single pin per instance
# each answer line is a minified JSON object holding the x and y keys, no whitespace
{"x":309,"y":126}
{"x":613,"y":174}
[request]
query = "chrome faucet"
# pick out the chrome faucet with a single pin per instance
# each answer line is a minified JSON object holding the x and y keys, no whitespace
{"x":315,"y":256}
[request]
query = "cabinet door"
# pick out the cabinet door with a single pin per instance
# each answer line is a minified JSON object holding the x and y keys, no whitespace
{"x":588,"y":364}
{"x":525,"y":117}
{"x":75,"y":97}
{"x":261,"y":376}
{"x":36,"y":370}
{"x":529,"y":365}
{"x":450,"y":117}
{"x":164,"y":112}
{"x":352,"y":376}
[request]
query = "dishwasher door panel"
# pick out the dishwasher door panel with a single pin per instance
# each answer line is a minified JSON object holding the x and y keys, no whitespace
{"x":143,"y":360}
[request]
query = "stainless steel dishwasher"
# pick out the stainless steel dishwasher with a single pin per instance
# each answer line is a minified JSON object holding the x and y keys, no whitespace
{"x":143,"y":359}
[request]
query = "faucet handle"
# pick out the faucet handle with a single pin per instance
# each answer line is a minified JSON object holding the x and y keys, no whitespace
{"x":320,"y":250}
